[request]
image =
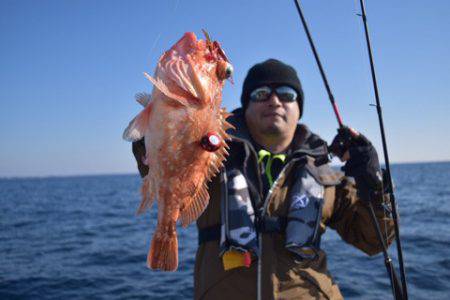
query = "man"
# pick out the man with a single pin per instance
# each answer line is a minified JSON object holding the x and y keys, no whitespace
{"x":276,"y":195}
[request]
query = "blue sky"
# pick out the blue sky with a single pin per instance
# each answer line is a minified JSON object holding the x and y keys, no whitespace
{"x":69,"y":71}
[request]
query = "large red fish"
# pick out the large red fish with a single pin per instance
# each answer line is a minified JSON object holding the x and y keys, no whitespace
{"x":184,"y":129}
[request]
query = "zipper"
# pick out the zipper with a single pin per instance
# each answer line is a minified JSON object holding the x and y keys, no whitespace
{"x":225,"y":199}
{"x":275,"y":185}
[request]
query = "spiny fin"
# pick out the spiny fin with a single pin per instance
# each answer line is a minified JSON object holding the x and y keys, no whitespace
{"x":215,"y":162}
{"x":227,"y":126}
{"x":136,"y":129}
{"x":194,"y":206}
{"x":143,"y":98}
{"x":224,"y":113}
{"x":148,"y":195}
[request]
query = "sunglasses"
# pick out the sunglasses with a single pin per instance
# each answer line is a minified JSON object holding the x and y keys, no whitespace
{"x":284,"y":93}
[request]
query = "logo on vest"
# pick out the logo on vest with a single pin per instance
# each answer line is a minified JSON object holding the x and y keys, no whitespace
{"x":299,"y":201}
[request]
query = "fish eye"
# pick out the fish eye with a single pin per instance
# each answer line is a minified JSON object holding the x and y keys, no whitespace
{"x":229,"y":71}
{"x":224,"y":70}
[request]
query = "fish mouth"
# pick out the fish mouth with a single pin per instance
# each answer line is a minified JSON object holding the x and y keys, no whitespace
{"x":191,"y":65}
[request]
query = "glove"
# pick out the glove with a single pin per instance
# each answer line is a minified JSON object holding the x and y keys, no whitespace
{"x":139,"y":154}
{"x":361,"y":161}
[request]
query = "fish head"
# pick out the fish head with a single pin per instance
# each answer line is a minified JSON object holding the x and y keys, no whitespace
{"x":196,"y":68}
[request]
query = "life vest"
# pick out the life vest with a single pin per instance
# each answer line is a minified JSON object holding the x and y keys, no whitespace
{"x":301,"y":225}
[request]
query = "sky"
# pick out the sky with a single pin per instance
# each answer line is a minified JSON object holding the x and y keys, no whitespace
{"x":69,"y":71}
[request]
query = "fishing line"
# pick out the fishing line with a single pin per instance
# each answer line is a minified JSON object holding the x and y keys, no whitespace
{"x":154,"y":43}
{"x":163,"y":29}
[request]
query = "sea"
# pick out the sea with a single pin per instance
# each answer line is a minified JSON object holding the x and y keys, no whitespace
{"x":79,"y":238}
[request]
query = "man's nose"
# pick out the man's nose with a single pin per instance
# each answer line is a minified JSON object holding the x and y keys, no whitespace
{"x":274,"y":100}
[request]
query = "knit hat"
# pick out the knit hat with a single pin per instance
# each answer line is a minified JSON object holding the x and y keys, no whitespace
{"x":269,"y":72}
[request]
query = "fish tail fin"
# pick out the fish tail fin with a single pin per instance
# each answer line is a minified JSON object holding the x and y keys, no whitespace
{"x":163,"y":253}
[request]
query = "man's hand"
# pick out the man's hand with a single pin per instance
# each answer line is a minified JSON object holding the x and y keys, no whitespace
{"x":361,"y":161}
{"x":139,"y":154}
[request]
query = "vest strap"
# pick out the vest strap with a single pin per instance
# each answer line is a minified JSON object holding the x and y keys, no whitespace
{"x":208,"y":234}
{"x":268,"y":225}
{"x":272,"y":225}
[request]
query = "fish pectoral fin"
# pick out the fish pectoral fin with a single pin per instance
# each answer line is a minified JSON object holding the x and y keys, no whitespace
{"x":136,"y":129}
{"x":143,"y":98}
{"x":194,"y":206}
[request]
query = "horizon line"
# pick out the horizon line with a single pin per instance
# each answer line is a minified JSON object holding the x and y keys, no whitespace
{"x":7,"y":177}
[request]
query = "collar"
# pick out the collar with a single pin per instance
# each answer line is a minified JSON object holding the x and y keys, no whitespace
{"x":304,"y":142}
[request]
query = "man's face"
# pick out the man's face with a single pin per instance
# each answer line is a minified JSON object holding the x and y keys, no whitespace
{"x":272,"y":117}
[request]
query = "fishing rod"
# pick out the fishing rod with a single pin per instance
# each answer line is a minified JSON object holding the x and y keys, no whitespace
{"x":395,"y":285}
{"x":390,"y":188}
{"x":319,"y":64}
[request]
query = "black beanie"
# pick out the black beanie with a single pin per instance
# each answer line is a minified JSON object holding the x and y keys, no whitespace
{"x":271,"y":71}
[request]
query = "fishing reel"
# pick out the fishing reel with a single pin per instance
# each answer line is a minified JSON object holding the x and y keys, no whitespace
{"x":345,"y":138}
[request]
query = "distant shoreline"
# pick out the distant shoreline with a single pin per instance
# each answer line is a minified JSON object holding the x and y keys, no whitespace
{"x":136,"y":174}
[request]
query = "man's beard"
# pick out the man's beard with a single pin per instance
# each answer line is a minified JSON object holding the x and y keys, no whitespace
{"x":273,"y":130}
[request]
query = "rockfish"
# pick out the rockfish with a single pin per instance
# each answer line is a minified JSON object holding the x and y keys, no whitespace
{"x":185,"y":138}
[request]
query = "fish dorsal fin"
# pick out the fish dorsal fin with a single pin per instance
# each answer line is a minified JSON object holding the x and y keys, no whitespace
{"x":136,"y":129}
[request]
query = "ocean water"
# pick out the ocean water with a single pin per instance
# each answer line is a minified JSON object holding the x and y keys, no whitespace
{"x":79,"y":238}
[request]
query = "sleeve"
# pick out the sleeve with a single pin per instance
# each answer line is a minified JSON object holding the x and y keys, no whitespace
{"x":139,"y":153}
{"x":350,"y":216}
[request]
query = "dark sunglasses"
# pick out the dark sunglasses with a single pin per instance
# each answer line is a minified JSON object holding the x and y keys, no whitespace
{"x":284,"y":93}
